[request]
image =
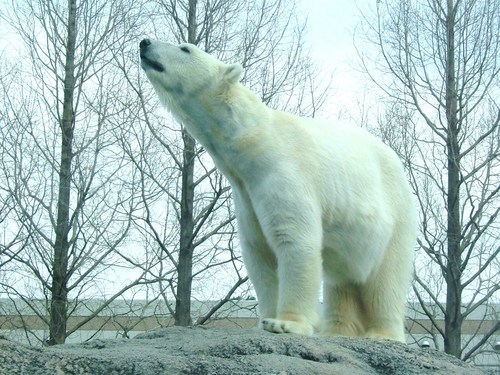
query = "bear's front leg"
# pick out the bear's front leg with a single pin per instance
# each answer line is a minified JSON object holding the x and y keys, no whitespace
{"x":288,"y":324}
{"x":299,"y":281}
{"x":295,"y":236}
{"x":259,"y":259}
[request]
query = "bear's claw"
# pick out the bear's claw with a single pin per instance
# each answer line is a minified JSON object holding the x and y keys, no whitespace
{"x":287,"y":326}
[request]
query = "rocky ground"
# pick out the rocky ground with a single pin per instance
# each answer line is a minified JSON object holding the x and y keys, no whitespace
{"x":227,"y":351}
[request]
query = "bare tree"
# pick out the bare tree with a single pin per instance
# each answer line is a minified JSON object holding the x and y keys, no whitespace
{"x":437,"y":63}
{"x":62,"y":164}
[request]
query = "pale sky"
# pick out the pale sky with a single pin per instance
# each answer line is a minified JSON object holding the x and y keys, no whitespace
{"x":331,"y":25}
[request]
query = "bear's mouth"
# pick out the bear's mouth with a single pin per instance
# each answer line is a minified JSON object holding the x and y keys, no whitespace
{"x":146,"y":60}
{"x":148,"y":63}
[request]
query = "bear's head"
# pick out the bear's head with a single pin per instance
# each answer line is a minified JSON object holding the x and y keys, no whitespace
{"x":182,"y":73}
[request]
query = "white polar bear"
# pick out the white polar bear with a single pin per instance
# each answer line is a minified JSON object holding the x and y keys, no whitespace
{"x":314,"y":200}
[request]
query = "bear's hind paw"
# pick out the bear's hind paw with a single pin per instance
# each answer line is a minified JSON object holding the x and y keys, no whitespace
{"x":287,"y":326}
{"x":381,"y":334}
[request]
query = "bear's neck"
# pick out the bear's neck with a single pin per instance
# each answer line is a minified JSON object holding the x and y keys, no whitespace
{"x":219,"y":122}
{"x":226,"y":126}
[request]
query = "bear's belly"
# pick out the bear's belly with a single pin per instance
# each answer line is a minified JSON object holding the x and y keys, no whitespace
{"x":352,"y":254}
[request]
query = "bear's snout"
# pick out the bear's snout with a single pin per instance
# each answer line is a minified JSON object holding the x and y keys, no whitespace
{"x":149,"y":59}
{"x":144,"y":43}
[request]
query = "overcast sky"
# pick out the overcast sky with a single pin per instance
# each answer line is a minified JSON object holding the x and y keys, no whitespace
{"x":331,"y":25}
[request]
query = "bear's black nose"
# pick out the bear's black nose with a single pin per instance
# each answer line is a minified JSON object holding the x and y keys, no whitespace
{"x":144,"y":43}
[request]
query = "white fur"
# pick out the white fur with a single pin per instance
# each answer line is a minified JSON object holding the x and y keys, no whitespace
{"x":314,"y":200}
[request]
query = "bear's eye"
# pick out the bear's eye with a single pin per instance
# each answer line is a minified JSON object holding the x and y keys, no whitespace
{"x":185,"y":49}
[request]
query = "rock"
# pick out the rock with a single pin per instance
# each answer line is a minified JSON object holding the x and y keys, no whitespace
{"x":200,"y":350}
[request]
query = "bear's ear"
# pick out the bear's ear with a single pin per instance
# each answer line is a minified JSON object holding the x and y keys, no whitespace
{"x":232,"y":73}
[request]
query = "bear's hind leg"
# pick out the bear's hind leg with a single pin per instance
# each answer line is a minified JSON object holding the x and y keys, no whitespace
{"x":384,"y":293}
{"x":384,"y":309}
{"x":384,"y":312}
{"x":342,"y":310}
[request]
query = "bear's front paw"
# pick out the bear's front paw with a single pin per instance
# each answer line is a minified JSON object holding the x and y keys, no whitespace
{"x":287,"y":326}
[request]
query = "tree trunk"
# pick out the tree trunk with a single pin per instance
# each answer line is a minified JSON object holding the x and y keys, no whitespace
{"x":59,"y":290}
{"x":453,"y":316}
{"x":185,"y":265}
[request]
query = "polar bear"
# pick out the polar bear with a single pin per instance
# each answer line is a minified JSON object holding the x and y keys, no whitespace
{"x":317,"y":202}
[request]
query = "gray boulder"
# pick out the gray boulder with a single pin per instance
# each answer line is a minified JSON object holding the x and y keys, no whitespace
{"x":179,"y":350}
